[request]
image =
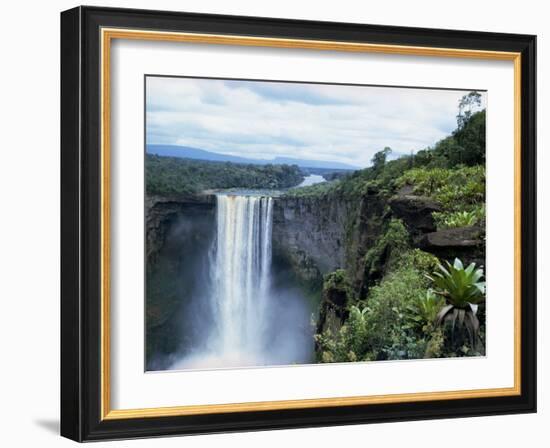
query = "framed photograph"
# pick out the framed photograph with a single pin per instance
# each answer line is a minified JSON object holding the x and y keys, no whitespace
{"x":273,"y":223}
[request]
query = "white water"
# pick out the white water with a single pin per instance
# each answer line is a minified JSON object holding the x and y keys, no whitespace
{"x":241,"y":272}
{"x":312,"y":179}
{"x":240,"y":275}
{"x":250,"y":324}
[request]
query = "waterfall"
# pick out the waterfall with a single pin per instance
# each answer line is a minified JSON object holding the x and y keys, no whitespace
{"x":240,"y":274}
{"x":247,"y":322}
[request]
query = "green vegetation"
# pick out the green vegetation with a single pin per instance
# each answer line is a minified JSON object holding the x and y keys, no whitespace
{"x":403,"y":317}
{"x":172,"y":175}
{"x":337,"y":280}
{"x":463,"y":291}
{"x":460,"y":192}
{"x":424,"y":310}
{"x":391,"y":323}
{"x":449,"y":220}
{"x":381,"y":256}
{"x":455,"y":189}
{"x":414,"y":307}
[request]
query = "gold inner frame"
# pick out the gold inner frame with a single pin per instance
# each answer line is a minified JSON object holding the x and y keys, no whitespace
{"x":107,"y":35}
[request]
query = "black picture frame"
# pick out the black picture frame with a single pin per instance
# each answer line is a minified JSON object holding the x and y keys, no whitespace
{"x":81,"y":224}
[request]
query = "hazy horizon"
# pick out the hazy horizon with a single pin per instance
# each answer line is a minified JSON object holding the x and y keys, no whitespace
{"x":321,"y":122}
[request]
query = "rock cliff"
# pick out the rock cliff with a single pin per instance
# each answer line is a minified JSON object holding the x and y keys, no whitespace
{"x":162,"y":212}
{"x":179,"y":234}
{"x":319,"y":235}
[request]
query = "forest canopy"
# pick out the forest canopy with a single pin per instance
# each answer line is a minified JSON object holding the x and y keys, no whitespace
{"x":173,"y":175}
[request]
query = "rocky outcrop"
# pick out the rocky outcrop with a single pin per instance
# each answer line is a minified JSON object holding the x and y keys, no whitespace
{"x":466,"y":243}
{"x":415,"y":212}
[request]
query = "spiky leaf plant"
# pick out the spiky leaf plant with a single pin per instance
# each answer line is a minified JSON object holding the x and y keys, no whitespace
{"x":463,"y":291}
{"x":423,"y":311}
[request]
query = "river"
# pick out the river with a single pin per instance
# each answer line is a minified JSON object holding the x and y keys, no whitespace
{"x":312,"y":179}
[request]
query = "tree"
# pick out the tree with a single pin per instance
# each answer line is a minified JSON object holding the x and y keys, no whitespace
{"x":379,"y":159}
{"x":465,"y":107}
{"x":471,"y":139}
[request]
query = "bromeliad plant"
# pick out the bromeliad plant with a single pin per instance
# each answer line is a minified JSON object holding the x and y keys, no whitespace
{"x":424,"y":310}
{"x":450,"y":220}
{"x":463,"y":291}
{"x":462,"y":218}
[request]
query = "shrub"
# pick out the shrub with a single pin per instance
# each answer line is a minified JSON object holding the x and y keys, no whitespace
{"x":455,"y":189}
{"x":385,"y":325}
{"x":449,"y":220}
{"x":424,"y":310}
{"x":403,"y":317}
{"x":337,"y":280}
{"x":460,"y":192}
{"x":395,"y":241}
{"x":392,"y":334}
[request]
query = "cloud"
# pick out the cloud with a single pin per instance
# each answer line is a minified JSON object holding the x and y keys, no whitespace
{"x":284,"y":92}
{"x":310,"y":121}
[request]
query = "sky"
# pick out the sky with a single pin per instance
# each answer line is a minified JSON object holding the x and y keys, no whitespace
{"x":259,"y":119}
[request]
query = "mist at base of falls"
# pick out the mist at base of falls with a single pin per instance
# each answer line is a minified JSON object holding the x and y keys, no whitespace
{"x":289,"y":340}
{"x":242,"y":316}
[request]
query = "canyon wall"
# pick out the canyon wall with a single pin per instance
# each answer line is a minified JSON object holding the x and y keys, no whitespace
{"x":312,"y":237}
{"x":320,"y":235}
{"x":179,"y":235}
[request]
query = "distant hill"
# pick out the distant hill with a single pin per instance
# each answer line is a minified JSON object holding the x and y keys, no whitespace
{"x":187,"y":152}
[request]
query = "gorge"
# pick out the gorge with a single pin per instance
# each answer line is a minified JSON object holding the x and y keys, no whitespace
{"x":245,"y":307}
{"x":359,"y":245}
{"x":235,"y":307}
{"x":275,"y":252}
{"x":238,"y":316}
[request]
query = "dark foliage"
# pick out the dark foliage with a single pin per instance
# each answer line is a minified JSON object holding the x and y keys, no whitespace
{"x":172,"y":175}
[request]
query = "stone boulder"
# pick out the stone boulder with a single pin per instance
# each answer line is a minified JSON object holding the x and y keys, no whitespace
{"x":415,"y":212}
{"x":467,"y":243}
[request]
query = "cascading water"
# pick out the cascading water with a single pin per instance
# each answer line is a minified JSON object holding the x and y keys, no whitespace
{"x":248,"y":323}
{"x":241,"y":273}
